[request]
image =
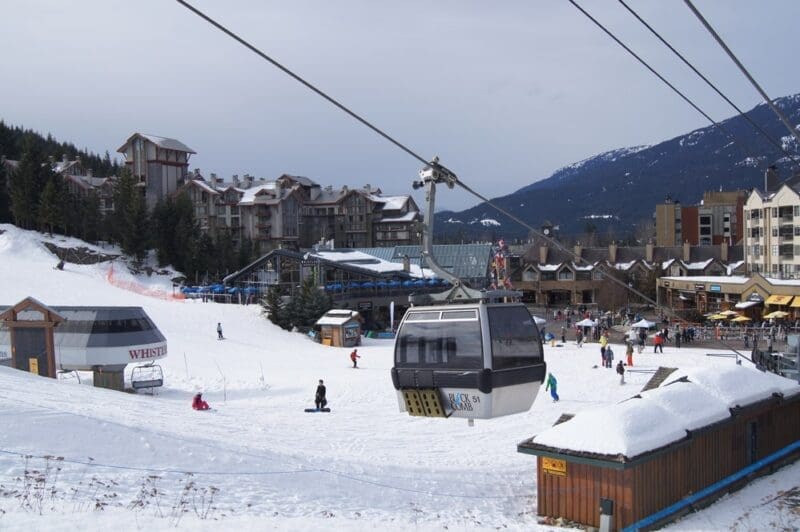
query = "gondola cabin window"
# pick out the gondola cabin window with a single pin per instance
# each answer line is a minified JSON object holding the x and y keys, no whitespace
{"x":441,"y":339}
{"x":515,"y":338}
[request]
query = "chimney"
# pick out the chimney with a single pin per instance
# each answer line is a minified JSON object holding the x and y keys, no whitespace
{"x":648,"y":251}
{"x":771,"y":178}
{"x":723,"y":251}
{"x":687,"y":251}
{"x":406,"y":263}
{"x":236,"y":181}
{"x":542,"y":254}
{"x":578,"y":250}
{"x":612,"y":252}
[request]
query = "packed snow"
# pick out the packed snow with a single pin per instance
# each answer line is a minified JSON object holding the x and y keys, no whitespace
{"x":77,"y":457}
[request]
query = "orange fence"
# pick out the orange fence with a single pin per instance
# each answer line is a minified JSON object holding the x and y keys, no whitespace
{"x":133,"y":286}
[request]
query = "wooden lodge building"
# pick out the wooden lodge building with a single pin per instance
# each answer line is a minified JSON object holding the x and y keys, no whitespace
{"x":647,"y":459}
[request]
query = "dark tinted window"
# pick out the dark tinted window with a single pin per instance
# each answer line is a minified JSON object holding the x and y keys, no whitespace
{"x":440,"y":344}
{"x":515,"y":338}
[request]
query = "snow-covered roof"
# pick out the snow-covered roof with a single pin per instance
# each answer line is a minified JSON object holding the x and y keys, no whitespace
{"x":205,"y":186}
{"x":249,"y":196}
{"x":166,"y":142}
{"x":390,"y":203}
{"x":733,"y":266}
{"x":586,"y":268}
{"x":697,"y":398}
{"x":548,"y":267}
{"x":697,"y":265}
{"x":370,"y":262}
{"x":407,"y":217}
{"x":624,"y":265}
{"x":666,"y":264}
{"x":337,"y":317}
{"x":733,"y":279}
{"x":747,"y":304}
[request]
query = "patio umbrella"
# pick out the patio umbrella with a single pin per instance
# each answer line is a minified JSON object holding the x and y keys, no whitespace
{"x":586,"y":323}
{"x":740,"y":319}
{"x":643,"y":324}
{"x":729,"y":313}
{"x":717,"y":317}
{"x":776,"y":314}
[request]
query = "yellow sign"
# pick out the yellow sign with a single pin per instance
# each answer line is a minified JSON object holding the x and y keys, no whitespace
{"x":33,"y":365}
{"x":554,"y":467}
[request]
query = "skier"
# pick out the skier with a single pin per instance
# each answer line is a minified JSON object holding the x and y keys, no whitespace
{"x":354,"y":356}
{"x":552,"y":384}
{"x":621,"y":372}
{"x":319,"y":398}
{"x":219,"y":332}
{"x":198,"y":403}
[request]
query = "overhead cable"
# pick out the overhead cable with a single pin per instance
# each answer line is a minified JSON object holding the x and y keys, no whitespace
{"x":744,"y":71}
{"x":710,"y":84}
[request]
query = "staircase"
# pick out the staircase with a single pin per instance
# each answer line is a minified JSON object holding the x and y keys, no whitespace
{"x":658,"y":377}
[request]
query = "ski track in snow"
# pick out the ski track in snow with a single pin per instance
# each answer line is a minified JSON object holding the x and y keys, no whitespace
{"x":363,"y":466}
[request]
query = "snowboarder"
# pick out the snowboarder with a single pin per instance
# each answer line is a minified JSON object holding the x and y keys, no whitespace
{"x":552,"y":384}
{"x":354,"y":356}
{"x":198,"y":403}
{"x":621,"y":372}
{"x":219,"y":332}
{"x":319,"y":398}
{"x":60,"y":265}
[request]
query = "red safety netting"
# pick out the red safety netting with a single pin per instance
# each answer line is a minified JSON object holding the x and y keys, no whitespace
{"x":133,"y":286}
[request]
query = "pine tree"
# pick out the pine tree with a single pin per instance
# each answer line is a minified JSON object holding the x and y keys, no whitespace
{"x":91,"y":218}
{"x":130,"y":217}
{"x":31,"y":176}
{"x":49,"y":210}
{"x":5,"y":198}
{"x":274,"y":308}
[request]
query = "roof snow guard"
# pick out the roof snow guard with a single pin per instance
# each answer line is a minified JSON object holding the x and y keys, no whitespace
{"x":652,"y":420}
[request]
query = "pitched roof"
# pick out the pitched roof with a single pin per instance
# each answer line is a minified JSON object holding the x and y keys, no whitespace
{"x":162,"y":142}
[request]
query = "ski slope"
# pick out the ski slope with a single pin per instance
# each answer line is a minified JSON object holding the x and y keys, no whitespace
{"x":257,"y":461}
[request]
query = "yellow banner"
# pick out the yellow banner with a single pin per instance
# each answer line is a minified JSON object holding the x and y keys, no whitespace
{"x":33,"y":365}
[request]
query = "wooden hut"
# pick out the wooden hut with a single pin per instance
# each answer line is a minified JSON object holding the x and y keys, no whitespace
{"x":655,"y":456}
{"x":340,"y":328}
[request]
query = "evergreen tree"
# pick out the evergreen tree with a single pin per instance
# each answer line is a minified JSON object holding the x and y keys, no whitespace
{"x":130,"y":220}
{"x":49,"y":210}
{"x":91,"y":221}
{"x":274,"y":309}
{"x":5,"y":198}
{"x":27,"y":181}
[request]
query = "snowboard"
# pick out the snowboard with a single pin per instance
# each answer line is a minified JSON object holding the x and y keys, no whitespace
{"x":326,"y":409}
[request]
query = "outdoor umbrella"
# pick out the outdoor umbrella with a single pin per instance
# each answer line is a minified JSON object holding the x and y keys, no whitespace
{"x":776,"y":314}
{"x":586,"y":323}
{"x":740,"y":319}
{"x":729,"y":313}
{"x":717,"y":317}
{"x":643,"y":324}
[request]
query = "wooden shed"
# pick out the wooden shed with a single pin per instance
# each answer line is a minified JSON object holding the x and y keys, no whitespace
{"x":667,"y":450}
{"x":31,"y":324}
{"x":340,"y":328}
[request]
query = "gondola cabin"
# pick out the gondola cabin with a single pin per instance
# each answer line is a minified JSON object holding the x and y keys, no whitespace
{"x":476,"y":361}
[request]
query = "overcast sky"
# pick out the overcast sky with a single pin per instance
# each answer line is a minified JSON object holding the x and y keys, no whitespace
{"x":504,"y":92}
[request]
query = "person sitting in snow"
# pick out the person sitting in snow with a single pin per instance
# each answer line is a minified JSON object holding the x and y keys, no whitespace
{"x":354,"y":356}
{"x":198,"y":403}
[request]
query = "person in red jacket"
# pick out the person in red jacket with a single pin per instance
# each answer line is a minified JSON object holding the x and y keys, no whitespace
{"x":198,"y":403}
{"x":658,"y":343}
{"x":354,"y":356}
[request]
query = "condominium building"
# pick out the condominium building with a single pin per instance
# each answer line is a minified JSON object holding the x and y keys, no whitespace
{"x":772,"y":226}
{"x":717,"y":218}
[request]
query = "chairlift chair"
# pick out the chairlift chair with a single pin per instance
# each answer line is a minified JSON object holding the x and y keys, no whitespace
{"x":147,"y":376}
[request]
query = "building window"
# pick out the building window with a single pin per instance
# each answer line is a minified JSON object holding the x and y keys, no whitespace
{"x":774,"y":212}
{"x":775,"y":250}
{"x":565,"y":275}
{"x":774,"y":231}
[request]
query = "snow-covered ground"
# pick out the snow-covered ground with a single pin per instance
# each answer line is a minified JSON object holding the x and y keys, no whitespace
{"x":257,"y":461}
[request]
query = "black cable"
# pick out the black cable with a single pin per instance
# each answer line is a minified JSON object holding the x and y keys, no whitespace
{"x":462,"y":185}
{"x":744,"y":71}
{"x":710,"y":84}
{"x":301,"y":80}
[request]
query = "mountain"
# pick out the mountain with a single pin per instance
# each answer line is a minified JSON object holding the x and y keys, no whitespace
{"x":616,"y":190}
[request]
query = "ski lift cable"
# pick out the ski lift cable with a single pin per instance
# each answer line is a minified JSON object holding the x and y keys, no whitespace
{"x":307,"y":84}
{"x":708,"y":82}
{"x":744,"y":71}
{"x":457,"y":181}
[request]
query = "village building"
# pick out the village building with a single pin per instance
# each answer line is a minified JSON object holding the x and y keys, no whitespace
{"x":772,"y":227}
{"x":644,"y":461}
{"x":717,"y":218}
{"x":160,"y":164}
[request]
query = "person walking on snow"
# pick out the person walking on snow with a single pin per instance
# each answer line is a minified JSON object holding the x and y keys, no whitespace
{"x":319,"y":397}
{"x":219,"y":332}
{"x":579,"y":337}
{"x":621,"y":372}
{"x":658,"y":343}
{"x":603,"y":345}
{"x":198,"y":403}
{"x":552,"y":384}
{"x":609,"y":357}
{"x":629,"y":353}
{"x":354,"y":356}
